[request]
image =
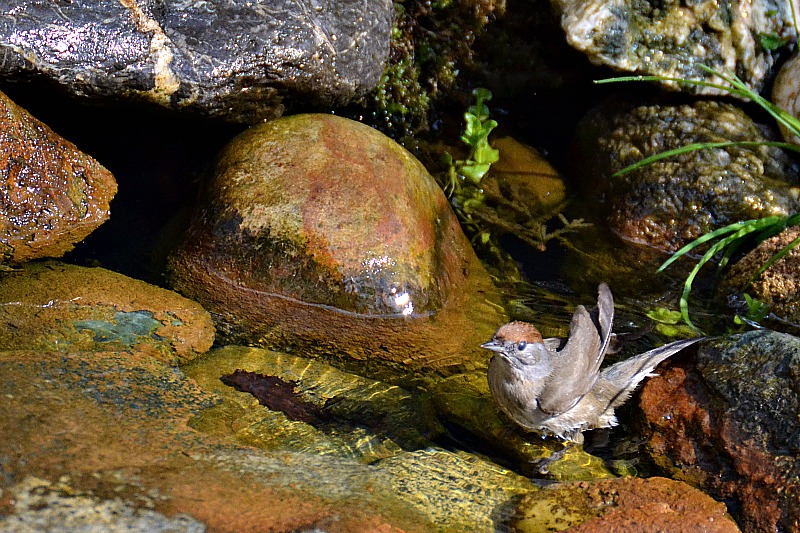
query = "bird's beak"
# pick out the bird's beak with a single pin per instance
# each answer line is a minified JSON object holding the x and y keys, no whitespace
{"x":493,"y":345}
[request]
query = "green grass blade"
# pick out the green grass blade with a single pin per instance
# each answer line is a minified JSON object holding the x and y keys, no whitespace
{"x":730,"y":228}
{"x":710,"y":253}
{"x":699,"y":146}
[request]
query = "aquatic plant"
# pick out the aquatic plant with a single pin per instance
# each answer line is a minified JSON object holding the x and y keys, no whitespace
{"x":462,"y":182}
{"x":733,"y":238}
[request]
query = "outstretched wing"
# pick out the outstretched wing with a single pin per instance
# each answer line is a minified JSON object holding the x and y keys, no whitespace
{"x":577,"y":366}
{"x":604,"y":316}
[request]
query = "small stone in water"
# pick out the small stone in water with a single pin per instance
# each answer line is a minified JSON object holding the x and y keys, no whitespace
{"x":276,"y":394}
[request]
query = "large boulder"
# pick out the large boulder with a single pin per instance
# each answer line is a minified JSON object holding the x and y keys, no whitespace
{"x":233,"y":60}
{"x":52,"y":195}
{"x":319,"y":232}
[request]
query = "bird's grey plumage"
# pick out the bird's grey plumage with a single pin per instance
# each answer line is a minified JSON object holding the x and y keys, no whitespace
{"x":561,"y":390}
{"x":582,"y":355}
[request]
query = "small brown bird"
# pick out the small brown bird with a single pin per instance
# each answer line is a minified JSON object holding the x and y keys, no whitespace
{"x":561,"y":390}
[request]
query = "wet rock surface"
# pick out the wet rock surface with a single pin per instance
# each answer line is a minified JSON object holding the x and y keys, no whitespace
{"x":674,"y":39}
{"x":626,"y":504}
{"x":60,"y":307}
{"x":671,"y":202}
{"x":353,"y":416}
{"x":52,"y":194}
{"x":729,"y":427}
{"x":114,"y":429}
{"x":319,"y":233}
{"x":233,"y":60}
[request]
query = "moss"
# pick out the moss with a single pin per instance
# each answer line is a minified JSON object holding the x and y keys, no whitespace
{"x":431,"y":43}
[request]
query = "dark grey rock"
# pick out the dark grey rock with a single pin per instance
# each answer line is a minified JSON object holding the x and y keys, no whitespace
{"x":231,"y":59}
{"x":758,"y":375}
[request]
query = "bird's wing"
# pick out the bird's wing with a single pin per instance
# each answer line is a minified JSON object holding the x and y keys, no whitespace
{"x":604,"y":315}
{"x":574,"y":367}
{"x":622,"y":378}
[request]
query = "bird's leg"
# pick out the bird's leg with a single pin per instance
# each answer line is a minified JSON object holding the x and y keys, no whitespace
{"x":543,"y":465}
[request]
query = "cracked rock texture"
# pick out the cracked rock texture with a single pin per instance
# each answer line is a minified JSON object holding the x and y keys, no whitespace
{"x":233,"y":60}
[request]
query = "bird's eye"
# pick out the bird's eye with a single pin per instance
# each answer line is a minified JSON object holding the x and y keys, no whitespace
{"x":521,"y":346}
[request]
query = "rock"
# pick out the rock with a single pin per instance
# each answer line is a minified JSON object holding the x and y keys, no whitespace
{"x":40,"y":505}
{"x":109,"y":428}
{"x":786,"y":93}
{"x":319,"y":233}
{"x":523,"y":176}
{"x":54,"y":306}
{"x":356,"y":417}
{"x":626,"y":504}
{"x":672,"y":202}
{"x":53,"y":194}
{"x":673,"y":40}
{"x":730,"y":427}
{"x":232,"y":60}
{"x":457,"y":490}
{"x":779,"y":285}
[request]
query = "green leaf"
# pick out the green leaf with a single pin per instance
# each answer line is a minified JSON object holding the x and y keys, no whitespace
{"x":475,"y":171}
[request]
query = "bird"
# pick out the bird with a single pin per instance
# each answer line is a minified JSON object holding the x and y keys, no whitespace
{"x":560,"y":390}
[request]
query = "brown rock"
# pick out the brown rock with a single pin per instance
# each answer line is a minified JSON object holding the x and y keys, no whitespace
{"x":779,"y":285}
{"x":695,"y":435}
{"x":522,"y":175}
{"x":55,"y":306}
{"x":52,"y":195}
{"x":671,"y":202}
{"x":319,"y":232}
{"x":625,"y":504}
{"x":786,"y":93}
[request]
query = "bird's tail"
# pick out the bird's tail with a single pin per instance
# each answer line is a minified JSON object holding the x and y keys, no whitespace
{"x":621,"y":379}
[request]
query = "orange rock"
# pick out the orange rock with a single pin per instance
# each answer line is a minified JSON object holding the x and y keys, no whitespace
{"x":52,"y":195}
{"x":320,"y":232}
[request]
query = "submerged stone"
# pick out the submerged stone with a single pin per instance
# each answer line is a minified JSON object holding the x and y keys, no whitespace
{"x":321,"y":233}
{"x":232,"y":60}
{"x":55,"y":306}
{"x":357,"y":417}
{"x":673,"y":201}
{"x":52,"y":194}
{"x":92,"y":428}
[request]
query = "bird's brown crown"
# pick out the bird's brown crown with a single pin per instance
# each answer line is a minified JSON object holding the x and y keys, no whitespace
{"x":518,"y":331}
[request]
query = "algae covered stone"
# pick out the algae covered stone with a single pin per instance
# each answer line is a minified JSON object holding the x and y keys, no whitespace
{"x":320,"y":232}
{"x":676,"y":39}
{"x":67,"y":308}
